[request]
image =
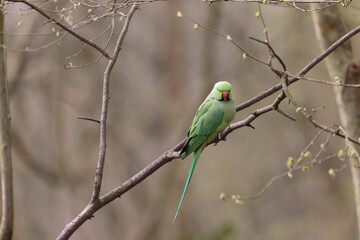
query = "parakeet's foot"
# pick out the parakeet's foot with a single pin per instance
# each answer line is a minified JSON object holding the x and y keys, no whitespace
{"x":221,"y":137}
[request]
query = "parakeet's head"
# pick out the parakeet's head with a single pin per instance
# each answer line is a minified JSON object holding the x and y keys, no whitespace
{"x":222,"y":91}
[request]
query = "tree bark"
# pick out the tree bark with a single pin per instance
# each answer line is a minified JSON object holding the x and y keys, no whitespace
{"x":329,"y":26}
{"x":7,"y":219}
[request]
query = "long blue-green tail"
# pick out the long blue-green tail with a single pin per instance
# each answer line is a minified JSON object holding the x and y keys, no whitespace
{"x":193,"y":165}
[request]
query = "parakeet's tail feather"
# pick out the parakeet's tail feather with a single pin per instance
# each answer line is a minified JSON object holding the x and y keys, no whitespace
{"x":193,"y":165}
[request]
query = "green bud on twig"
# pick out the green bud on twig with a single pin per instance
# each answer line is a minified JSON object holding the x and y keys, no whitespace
{"x":307,"y":154}
{"x":222,"y":196}
{"x":305,"y":168}
{"x":179,"y":14}
{"x":332,"y":172}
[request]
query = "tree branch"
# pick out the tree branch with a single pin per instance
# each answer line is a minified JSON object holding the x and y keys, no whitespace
{"x":95,"y":203}
{"x":63,"y":26}
{"x":7,"y":219}
{"x":105,"y":103}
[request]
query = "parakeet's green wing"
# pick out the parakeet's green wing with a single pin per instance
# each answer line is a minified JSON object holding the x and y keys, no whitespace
{"x":200,"y":112}
{"x":208,"y":118}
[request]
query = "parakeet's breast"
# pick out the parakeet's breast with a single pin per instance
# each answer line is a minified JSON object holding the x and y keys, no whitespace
{"x":229,"y":110}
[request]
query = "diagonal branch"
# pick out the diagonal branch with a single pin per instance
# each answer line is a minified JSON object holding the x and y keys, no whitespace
{"x":63,"y":26}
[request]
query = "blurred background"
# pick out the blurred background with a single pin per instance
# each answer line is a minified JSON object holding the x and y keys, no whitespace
{"x":164,"y":71}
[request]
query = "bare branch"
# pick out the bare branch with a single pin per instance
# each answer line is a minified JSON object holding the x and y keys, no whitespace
{"x":338,"y":83}
{"x":63,"y":26}
{"x":105,"y":103}
{"x":305,"y":70}
{"x":95,"y":202}
{"x":89,"y":119}
{"x":7,"y":219}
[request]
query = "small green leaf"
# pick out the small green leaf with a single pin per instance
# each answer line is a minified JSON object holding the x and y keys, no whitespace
{"x":244,"y":56}
{"x":179,"y":14}
{"x":298,"y":109}
{"x":228,"y":38}
{"x":257,"y":14}
{"x":266,"y":30}
{"x":195,"y":26}
{"x":305,"y":168}
{"x":290,"y":175}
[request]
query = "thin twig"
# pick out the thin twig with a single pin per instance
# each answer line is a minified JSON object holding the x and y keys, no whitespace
{"x":63,"y":26}
{"x":227,"y":37}
{"x":338,"y":84}
{"x":89,"y":119}
{"x":305,"y":70}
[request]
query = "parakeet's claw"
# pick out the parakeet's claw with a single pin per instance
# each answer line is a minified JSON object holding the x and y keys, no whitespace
{"x":223,"y":138}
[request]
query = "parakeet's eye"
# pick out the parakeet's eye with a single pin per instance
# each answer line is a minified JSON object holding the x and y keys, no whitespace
{"x":217,"y":94}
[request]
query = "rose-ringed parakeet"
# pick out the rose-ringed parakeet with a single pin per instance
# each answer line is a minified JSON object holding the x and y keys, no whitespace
{"x":212,"y":117}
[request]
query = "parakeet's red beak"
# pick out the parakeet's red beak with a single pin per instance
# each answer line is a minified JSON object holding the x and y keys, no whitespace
{"x":225,"y":95}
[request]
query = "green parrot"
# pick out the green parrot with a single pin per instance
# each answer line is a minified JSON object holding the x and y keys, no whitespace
{"x":212,"y":117}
